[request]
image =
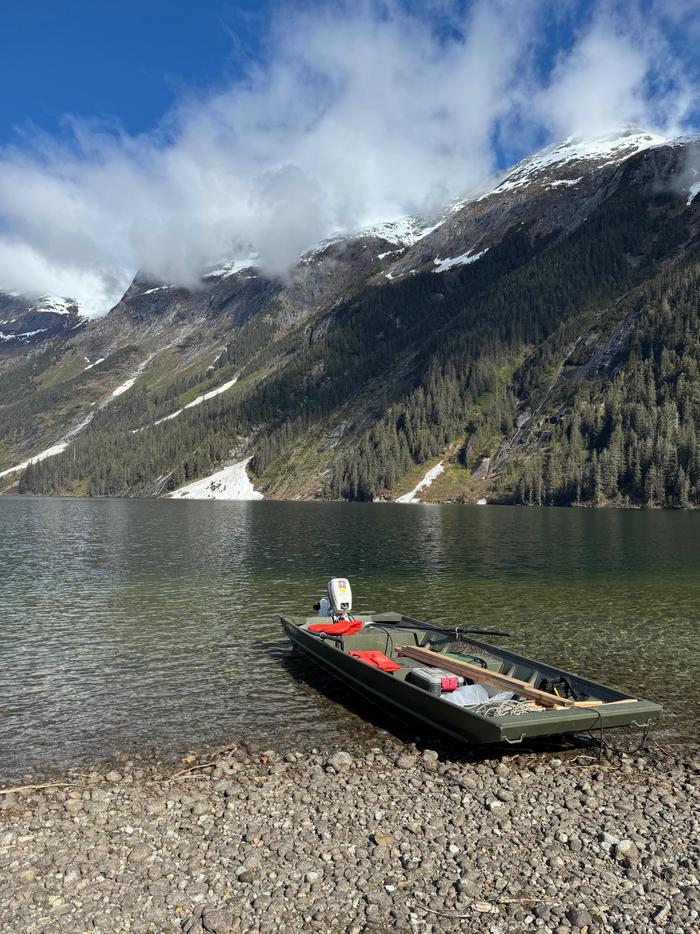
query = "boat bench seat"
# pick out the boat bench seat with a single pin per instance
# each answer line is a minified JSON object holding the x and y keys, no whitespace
{"x":377,"y":640}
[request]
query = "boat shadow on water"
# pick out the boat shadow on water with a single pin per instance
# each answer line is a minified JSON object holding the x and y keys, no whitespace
{"x":336,"y":698}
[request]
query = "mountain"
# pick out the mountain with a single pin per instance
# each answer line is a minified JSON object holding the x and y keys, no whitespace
{"x":537,"y":341}
{"x":26,"y":322}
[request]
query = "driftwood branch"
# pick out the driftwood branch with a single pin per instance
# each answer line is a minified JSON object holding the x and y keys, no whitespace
{"x":193,"y":768}
{"x":206,"y":765}
{"x":480,"y":906}
{"x":9,"y":791}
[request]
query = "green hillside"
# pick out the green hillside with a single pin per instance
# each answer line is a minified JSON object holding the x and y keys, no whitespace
{"x":560,"y":368}
{"x":603,"y":351}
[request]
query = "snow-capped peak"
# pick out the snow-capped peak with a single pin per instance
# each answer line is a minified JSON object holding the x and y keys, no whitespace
{"x":56,"y":305}
{"x":404,"y":231}
{"x":225,"y":268}
{"x":608,"y":148}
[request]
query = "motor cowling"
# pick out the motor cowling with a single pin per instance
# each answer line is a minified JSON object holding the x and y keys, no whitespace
{"x":340,"y":596}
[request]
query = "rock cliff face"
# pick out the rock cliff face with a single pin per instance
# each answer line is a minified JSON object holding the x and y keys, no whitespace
{"x":381,"y":352}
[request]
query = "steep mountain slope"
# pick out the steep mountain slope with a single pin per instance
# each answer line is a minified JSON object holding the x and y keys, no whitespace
{"x":556,"y":189}
{"x":539,"y":339}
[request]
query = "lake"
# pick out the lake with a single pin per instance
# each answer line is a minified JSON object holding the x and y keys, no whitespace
{"x":132,"y":624}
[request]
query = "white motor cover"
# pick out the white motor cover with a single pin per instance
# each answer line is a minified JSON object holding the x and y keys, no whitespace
{"x":340,"y":595}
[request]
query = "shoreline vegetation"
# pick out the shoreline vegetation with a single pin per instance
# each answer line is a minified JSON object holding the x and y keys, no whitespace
{"x":627,"y":506}
{"x":399,"y":838}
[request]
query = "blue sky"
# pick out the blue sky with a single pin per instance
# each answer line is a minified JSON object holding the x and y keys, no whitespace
{"x":168,"y":134}
{"x":126,"y":60}
{"x":131,"y":61}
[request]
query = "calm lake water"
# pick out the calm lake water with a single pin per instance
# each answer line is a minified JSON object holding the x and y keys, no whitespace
{"x":132,"y":624}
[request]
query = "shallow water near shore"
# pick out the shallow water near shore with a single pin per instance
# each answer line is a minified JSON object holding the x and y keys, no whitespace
{"x":137,"y":624}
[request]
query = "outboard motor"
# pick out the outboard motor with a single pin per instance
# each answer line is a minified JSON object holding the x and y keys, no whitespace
{"x":339,"y":597}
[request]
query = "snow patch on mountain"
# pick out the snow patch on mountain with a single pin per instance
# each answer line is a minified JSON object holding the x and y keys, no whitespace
{"x":158,"y":288}
{"x":68,"y":438}
{"x":231,"y":483}
{"x":404,"y":230}
{"x":124,"y":387}
{"x":464,"y":260}
{"x":24,"y":335}
{"x":212,"y":392}
{"x":199,"y":400}
{"x":693,"y":192}
{"x":565,"y":182}
{"x":216,"y":359}
{"x":49,"y":452}
{"x":427,"y":480}
{"x":56,"y":305}
{"x":223,"y":270}
{"x":608,"y":149}
{"x":96,"y":363}
{"x":52,"y":451}
{"x":127,"y":384}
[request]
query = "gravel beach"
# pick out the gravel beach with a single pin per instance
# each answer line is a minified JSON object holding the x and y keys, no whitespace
{"x":398,"y":839}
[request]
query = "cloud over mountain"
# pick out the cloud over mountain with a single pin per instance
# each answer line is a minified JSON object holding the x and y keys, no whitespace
{"x":356,"y":113}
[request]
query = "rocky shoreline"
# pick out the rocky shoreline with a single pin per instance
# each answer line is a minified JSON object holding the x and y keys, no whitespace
{"x":396,"y":839}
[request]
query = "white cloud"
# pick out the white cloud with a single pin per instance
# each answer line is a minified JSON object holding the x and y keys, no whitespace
{"x":33,"y":273}
{"x":360,"y":114}
{"x":600,"y":80}
{"x":622,"y":69}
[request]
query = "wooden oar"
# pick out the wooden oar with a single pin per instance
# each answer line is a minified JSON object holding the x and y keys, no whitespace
{"x":494,"y":679}
{"x":451,"y":631}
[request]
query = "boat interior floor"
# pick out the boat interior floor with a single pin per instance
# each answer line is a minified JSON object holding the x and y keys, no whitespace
{"x":388,"y":638}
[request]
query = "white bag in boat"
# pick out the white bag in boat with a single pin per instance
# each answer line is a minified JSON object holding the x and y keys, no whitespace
{"x":467,"y":696}
{"x":501,"y":696}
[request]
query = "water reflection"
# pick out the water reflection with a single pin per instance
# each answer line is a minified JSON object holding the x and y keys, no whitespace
{"x":141,"y":623}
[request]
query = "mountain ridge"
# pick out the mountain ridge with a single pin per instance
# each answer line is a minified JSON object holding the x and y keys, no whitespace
{"x":612,"y":146}
{"x":294,"y":340}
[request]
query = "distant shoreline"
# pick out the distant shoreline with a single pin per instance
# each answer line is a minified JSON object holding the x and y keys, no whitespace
{"x":604,"y":507}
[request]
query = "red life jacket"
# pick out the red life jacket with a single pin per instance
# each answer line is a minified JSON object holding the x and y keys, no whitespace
{"x":344,"y":627}
{"x":377,"y":660}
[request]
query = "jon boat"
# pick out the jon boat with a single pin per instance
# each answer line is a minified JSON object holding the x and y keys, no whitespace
{"x":544,"y":700}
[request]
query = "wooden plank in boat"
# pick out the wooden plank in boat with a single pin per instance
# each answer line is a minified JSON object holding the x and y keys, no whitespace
{"x":484,"y":676}
{"x":494,"y":679}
